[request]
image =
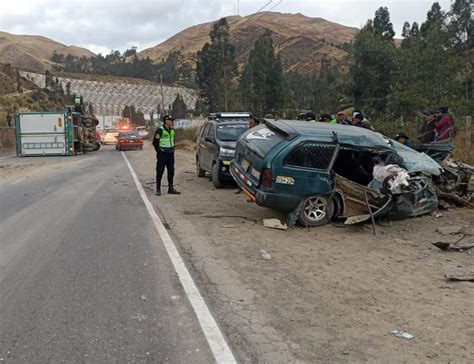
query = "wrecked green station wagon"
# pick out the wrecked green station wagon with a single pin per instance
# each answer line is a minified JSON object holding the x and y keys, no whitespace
{"x":316,"y":172}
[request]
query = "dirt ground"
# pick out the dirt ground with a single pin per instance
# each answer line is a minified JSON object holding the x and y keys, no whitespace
{"x":328,"y":294}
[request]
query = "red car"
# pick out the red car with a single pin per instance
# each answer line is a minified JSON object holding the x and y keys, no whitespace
{"x":128,"y":140}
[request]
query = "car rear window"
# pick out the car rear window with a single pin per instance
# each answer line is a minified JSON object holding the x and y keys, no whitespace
{"x":311,"y":155}
{"x":230,"y":132}
{"x":262,"y":139}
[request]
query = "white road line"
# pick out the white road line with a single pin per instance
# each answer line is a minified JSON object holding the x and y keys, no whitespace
{"x":215,"y":339}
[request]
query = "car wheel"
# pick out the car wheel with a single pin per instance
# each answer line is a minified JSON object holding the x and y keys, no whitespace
{"x":96,"y":146}
{"x":216,"y":180}
{"x":316,"y":211}
{"x":200,"y":172}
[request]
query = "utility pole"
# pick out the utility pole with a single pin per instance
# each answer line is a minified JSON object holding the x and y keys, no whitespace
{"x":162,"y":97}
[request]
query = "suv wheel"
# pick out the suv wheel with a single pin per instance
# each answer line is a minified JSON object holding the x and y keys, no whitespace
{"x":200,"y":172}
{"x":216,"y":180}
{"x":316,"y":211}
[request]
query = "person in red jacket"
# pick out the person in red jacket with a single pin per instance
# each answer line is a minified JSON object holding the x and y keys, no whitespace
{"x":444,"y":125}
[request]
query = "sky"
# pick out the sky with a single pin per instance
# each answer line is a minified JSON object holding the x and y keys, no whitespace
{"x":103,"y":25}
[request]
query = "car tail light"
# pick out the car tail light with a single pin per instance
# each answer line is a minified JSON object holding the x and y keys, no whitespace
{"x":139,"y":140}
{"x":267,"y":178}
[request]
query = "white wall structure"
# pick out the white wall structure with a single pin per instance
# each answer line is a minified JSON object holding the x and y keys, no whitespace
{"x":111,"y":97}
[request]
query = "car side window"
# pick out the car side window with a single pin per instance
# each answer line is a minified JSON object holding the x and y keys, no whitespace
{"x":210,"y":132}
{"x":311,"y":155}
{"x":205,"y":130}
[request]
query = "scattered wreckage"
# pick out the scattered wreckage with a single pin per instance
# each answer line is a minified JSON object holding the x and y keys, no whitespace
{"x":453,"y":184}
{"x":315,"y":172}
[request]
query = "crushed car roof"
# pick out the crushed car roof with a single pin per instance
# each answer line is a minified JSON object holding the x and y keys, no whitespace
{"x":346,"y":134}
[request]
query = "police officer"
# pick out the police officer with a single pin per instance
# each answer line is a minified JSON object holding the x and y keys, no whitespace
{"x":163,"y":141}
{"x":78,"y":104}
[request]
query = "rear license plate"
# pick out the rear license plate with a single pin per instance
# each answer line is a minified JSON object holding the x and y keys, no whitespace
{"x":245,"y":165}
{"x":255,"y":173}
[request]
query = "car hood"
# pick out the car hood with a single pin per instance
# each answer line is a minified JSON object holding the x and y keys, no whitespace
{"x":416,"y":161}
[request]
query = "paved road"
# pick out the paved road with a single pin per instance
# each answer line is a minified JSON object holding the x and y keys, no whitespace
{"x":83,"y":274}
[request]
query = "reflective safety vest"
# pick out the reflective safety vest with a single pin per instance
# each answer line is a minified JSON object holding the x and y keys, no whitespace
{"x":77,"y":101}
{"x":167,"y":140}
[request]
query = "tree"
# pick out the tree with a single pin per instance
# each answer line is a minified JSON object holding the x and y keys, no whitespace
{"x":262,"y":78}
{"x":134,"y":116}
{"x":406,"y":30}
{"x":68,"y":88}
{"x":216,"y":67}
{"x":372,"y":70}
{"x":382,"y":25}
{"x":179,"y":109}
{"x":461,"y":33}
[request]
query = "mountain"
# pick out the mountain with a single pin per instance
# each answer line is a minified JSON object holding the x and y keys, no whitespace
{"x":302,"y":42}
{"x":32,"y":52}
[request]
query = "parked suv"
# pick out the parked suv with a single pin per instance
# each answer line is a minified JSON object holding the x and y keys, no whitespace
{"x":316,"y":171}
{"x":215,"y":146}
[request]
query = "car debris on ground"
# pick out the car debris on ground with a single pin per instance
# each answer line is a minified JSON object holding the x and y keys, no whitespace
{"x":402,"y":334}
{"x":463,"y":235}
{"x":274,"y":224}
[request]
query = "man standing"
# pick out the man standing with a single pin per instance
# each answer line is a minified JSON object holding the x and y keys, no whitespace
{"x":427,"y":130}
{"x":445,"y":125}
{"x":163,"y":141}
{"x":9,"y":120}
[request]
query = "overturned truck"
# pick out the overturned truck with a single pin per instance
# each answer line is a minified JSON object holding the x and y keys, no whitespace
{"x":55,"y":133}
{"x":315,"y":172}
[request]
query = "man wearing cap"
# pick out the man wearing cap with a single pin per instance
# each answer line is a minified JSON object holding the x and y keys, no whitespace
{"x":163,"y":141}
{"x":427,"y":131}
{"x":403,"y":139}
{"x":341,"y":119}
{"x":445,"y":125}
{"x":359,"y":120}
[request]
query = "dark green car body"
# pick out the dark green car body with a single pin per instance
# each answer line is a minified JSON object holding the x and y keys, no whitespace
{"x":283,"y":162}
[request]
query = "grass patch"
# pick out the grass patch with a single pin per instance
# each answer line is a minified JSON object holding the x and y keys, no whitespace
{"x":189,"y":134}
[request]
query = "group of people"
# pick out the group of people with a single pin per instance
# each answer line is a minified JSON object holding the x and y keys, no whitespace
{"x":437,"y":126}
{"x":358,"y":119}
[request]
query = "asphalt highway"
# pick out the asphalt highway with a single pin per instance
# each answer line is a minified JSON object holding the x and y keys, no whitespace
{"x":84,"y":276}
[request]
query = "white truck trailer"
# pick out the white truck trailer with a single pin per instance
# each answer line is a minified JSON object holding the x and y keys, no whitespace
{"x":55,"y":133}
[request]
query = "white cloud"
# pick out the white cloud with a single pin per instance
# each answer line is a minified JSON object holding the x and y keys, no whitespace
{"x":119,"y":24}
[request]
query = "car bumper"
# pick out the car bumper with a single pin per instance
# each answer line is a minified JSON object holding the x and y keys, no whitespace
{"x":224,"y":168}
{"x":277,"y":201}
{"x":130,"y":145}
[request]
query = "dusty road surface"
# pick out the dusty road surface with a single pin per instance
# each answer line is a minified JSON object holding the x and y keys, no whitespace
{"x":89,"y":280}
{"x":84,"y":276}
{"x":328,"y":294}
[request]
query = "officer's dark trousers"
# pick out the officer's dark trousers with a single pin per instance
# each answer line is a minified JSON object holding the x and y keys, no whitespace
{"x":164,"y":160}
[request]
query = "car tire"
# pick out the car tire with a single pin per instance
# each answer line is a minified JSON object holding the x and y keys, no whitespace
{"x":200,"y":172}
{"x":215,"y":176}
{"x":316,"y":211}
{"x":96,"y":146}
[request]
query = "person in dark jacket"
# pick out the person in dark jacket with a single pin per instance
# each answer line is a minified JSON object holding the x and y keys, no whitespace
{"x":427,"y":130}
{"x":163,"y":141}
{"x":359,"y":120}
{"x":404,"y":139}
{"x":444,"y":125}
